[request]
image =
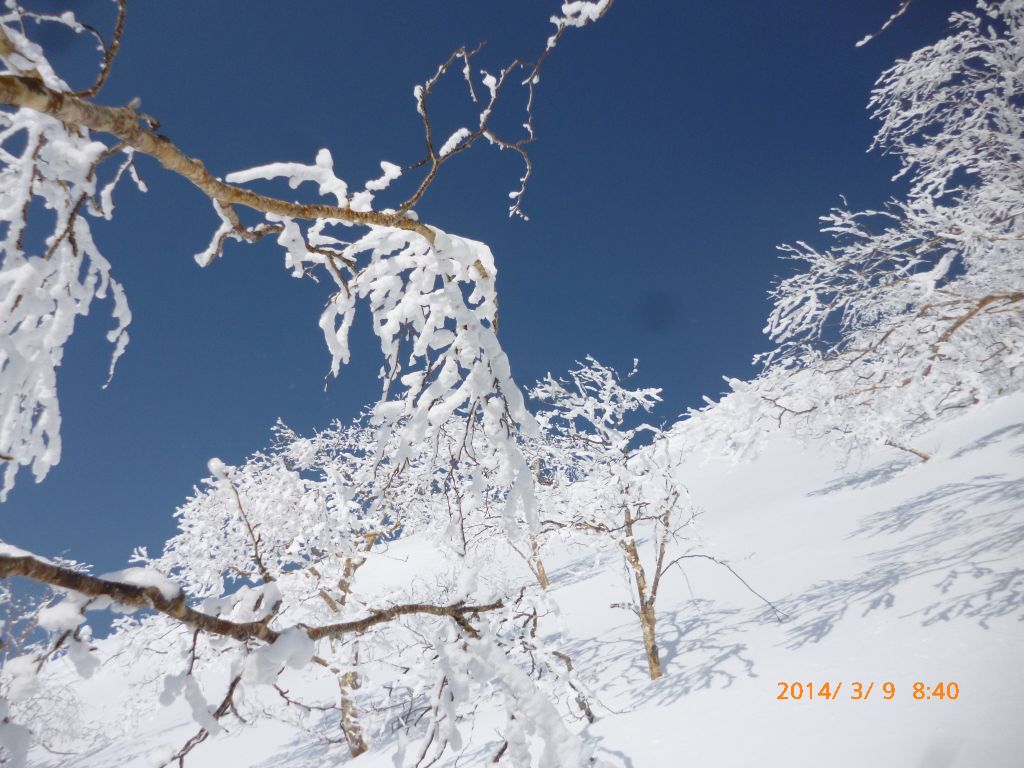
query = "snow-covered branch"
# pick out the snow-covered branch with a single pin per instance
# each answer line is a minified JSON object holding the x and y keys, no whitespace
{"x":139,"y":589}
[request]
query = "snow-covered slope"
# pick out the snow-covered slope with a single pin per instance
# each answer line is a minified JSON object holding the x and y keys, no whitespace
{"x":890,"y":571}
{"x":893,"y":571}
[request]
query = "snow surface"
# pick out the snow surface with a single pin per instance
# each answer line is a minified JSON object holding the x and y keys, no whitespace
{"x":891,"y":570}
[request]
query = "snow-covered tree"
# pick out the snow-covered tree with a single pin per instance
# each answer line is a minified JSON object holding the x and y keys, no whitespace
{"x":281,"y":595}
{"x":261,"y":593}
{"x":915,"y":310}
{"x":260,"y":581}
{"x":623,"y":489}
{"x":283,"y":538}
{"x":431,"y":294}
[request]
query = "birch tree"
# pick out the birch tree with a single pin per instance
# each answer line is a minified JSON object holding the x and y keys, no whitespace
{"x":623,"y":491}
{"x":261,"y":578}
{"x":915,"y":311}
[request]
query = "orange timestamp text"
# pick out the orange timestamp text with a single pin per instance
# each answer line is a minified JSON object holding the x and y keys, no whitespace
{"x":857,"y":690}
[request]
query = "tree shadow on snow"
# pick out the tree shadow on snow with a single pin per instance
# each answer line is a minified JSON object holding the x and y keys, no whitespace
{"x":965,"y":539}
{"x":308,"y":750}
{"x":701,"y":647}
{"x":322,"y":744}
{"x":877,"y":475}
{"x":1013,"y":430}
{"x":580,"y":570}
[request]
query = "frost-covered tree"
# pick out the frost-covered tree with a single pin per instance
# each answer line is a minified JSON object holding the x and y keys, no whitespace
{"x":270,"y":555}
{"x":609,"y":479}
{"x":430,"y":294}
{"x":260,"y":583}
{"x":284,"y":538}
{"x":915,"y":309}
{"x":623,"y":489}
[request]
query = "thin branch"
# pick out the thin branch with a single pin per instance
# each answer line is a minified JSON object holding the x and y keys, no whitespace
{"x":109,"y":52}
{"x":253,"y":537}
{"x":888,"y":23}
{"x":780,"y":616}
{"x":530,"y":70}
{"x":227,"y":704}
{"x":1009,"y":298}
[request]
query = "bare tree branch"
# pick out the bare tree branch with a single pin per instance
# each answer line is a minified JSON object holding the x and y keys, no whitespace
{"x":109,"y":52}
{"x":780,"y":616}
{"x":904,"y":4}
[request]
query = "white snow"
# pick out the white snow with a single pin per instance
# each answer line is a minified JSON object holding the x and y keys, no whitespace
{"x":389,"y":172}
{"x":889,"y":571}
{"x":145,"y":577}
{"x":8,"y":550}
{"x":454,"y":141}
{"x":292,"y":649}
{"x":67,"y":614}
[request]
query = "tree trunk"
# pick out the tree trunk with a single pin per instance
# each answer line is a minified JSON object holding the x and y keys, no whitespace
{"x":644,"y":601}
{"x":542,"y":576}
{"x":537,"y":565}
{"x":647,"y":624}
{"x":350,"y":680}
{"x":350,"y":716}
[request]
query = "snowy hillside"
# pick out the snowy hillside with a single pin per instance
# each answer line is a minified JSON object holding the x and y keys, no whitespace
{"x":471,"y":572}
{"x":890,"y":571}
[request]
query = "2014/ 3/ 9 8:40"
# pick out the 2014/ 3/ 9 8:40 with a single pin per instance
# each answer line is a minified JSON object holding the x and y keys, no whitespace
{"x":859,"y":691}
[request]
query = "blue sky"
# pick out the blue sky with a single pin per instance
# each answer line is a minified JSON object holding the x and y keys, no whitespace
{"x":679,"y":142}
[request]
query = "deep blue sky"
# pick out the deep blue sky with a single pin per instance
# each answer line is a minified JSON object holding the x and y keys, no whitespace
{"x":679,"y":143}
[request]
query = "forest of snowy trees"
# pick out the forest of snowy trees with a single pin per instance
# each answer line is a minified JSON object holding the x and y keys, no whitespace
{"x":911,"y":315}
